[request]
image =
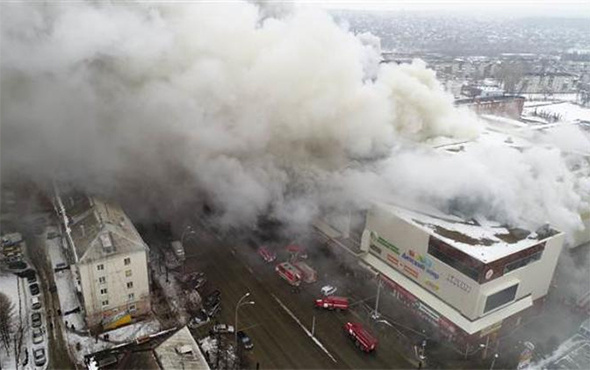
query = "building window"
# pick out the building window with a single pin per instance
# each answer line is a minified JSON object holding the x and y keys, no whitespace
{"x":105,"y":303}
{"x":100,"y":267}
{"x":131,"y":296}
{"x":522,"y":262}
{"x":500,"y":298}
{"x":128,"y":273}
{"x":127,"y":261}
{"x":132,"y":307}
{"x":455,"y":258}
{"x":102,"y":280}
{"x":103,"y":291}
{"x":129,"y":284}
{"x":375,"y":249}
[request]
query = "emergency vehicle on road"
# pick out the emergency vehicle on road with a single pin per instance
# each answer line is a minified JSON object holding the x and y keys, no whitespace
{"x":332,"y":303}
{"x":361,"y":337}
{"x":289,"y":272}
{"x":308,"y":274}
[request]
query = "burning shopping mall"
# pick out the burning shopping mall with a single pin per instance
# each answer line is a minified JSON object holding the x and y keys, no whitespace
{"x":470,"y":279}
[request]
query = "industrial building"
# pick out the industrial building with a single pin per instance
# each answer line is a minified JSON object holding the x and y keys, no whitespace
{"x":108,"y":258}
{"x":467,"y":278}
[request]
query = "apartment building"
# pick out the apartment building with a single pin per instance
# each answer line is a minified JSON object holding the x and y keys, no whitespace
{"x":107,"y":257}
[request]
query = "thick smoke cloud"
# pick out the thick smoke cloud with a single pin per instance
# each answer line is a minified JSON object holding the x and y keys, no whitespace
{"x":260,"y":115}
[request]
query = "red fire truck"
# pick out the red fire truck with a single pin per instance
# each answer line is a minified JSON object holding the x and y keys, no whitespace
{"x":331,"y":303}
{"x":289,"y":272}
{"x":307,"y":273}
{"x":362,"y":338}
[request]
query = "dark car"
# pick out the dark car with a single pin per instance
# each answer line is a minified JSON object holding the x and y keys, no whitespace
{"x":39,"y":355}
{"x":200,"y":282}
{"x":34,"y":288}
{"x":211,"y":300}
{"x":199,"y":319}
{"x":213,"y":310}
{"x":245,"y":340}
{"x":32,"y":279}
{"x":36,"y":319}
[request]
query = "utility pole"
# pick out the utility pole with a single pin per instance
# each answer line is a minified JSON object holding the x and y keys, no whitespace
{"x":376,"y":312}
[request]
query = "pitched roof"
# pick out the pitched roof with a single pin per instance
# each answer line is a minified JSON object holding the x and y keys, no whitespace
{"x":99,"y":229}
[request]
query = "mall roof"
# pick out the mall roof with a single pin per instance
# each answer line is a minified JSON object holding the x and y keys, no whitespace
{"x":482,"y":239}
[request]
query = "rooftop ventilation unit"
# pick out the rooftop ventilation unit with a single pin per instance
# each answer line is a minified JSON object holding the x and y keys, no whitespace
{"x":184,"y":350}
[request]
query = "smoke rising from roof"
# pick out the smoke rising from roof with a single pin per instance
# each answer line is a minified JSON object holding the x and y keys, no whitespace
{"x":255,"y":113}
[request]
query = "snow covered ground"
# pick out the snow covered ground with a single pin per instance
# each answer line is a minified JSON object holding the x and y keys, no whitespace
{"x":17,"y":291}
{"x":566,"y":112}
{"x":131,"y":332}
{"x":66,"y":289}
{"x":9,"y":286}
{"x":171,"y":289}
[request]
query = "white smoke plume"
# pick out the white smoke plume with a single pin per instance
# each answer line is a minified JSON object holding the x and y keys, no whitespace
{"x":258,"y":114}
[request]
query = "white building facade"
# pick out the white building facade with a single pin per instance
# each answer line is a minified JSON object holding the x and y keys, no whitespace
{"x":108,"y":258}
{"x":466,"y":279}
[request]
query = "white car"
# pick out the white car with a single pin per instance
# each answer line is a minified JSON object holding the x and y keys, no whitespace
{"x":328,"y":290}
{"x":222,"y":329}
{"x":37,"y":336}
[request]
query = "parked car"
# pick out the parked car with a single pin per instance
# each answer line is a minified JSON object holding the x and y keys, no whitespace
{"x":52,"y":235}
{"x":222,"y":329}
{"x":328,"y":290}
{"x":267,"y":255}
{"x":32,"y":278}
{"x":199,"y":319}
{"x":35,"y":303}
{"x":60,"y":266}
{"x":37,"y":335}
{"x":213,"y":310}
{"x":332,"y":303}
{"x":245,"y":340}
{"x":39,"y":355}
{"x":36,"y":319}
{"x":34,"y":288}
{"x":200,"y":282}
{"x":211,"y":300}
{"x":192,"y":276}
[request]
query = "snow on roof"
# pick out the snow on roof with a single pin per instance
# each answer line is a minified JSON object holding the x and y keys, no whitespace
{"x":170,"y":358}
{"x":483,"y":240}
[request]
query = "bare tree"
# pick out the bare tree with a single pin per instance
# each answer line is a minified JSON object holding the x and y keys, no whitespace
{"x":6,"y":318}
{"x":19,"y":335}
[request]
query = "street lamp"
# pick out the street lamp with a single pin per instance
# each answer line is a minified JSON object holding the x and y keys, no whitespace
{"x":238,"y":305}
{"x":494,"y":361}
{"x":375,"y":314}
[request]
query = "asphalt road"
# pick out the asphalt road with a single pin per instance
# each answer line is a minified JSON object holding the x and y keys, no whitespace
{"x":280,"y":342}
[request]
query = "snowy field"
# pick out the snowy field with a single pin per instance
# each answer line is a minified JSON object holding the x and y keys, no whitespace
{"x":566,"y":111}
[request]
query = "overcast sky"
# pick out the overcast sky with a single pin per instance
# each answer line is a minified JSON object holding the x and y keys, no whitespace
{"x":566,"y":8}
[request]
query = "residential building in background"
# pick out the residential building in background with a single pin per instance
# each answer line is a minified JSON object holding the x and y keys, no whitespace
{"x":108,"y":259}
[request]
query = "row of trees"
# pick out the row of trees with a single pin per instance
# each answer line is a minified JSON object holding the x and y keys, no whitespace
{"x":12,"y":329}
